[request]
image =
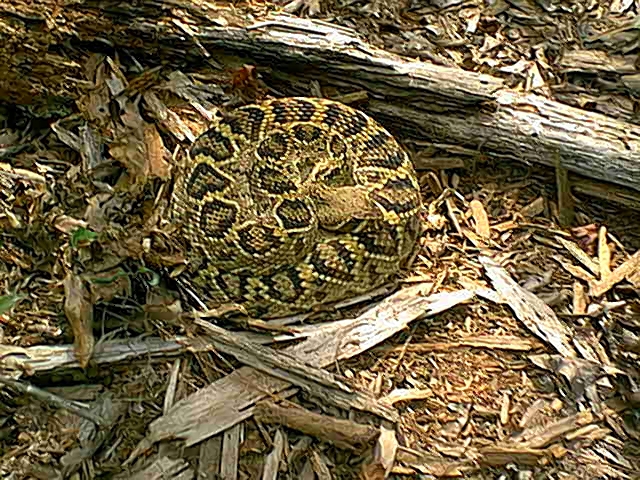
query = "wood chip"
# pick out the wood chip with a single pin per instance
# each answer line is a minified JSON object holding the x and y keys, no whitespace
{"x":407,"y":394}
{"x":580,"y":255}
{"x":593,"y":61}
{"x":606,"y":191}
{"x":534,"y":209}
{"x":21,"y":173}
{"x":353,"y":97}
{"x":604,"y":254}
{"x":566,"y":213}
{"x":272,"y":461}
{"x":161,"y":469}
{"x":426,"y":162}
{"x":482,"y":220}
{"x":499,"y":455}
{"x":498,"y":342}
{"x":473,"y":238}
{"x":579,"y":299}
{"x":319,"y":464}
{"x":576,"y":271}
{"x":538,"y":438}
{"x":451,"y":210}
{"x":384,"y":455}
{"x":538,"y":317}
{"x":430,"y":464}
{"x":589,"y":431}
{"x":95,"y":436}
{"x":210,"y":458}
{"x":157,"y":163}
{"x":230,"y":453}
{"x":44,"y":358}
{"x":79,"y":312}
{"x":342,"y":433}
{"x":169,"y":397}
{"x":505,"y":226}
{"x":628,"y":269}
{"x":287,"y":367}
{"x":504,"y":409}
{"x":532,"y":412}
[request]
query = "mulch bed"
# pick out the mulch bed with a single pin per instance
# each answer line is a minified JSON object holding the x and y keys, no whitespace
{"x":509,"y":350}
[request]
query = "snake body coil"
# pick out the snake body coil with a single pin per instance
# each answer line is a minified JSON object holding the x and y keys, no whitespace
{"x":294,"y":203}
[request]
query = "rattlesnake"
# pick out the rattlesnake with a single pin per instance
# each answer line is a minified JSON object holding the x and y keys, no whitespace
{"x":294,"y":203}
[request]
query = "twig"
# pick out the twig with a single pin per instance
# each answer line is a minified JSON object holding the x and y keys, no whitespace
{"x":51,"y":399}
{"x":342,"y":433}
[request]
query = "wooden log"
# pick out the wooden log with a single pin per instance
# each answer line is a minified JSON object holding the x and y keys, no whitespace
{"x":413,"y":98}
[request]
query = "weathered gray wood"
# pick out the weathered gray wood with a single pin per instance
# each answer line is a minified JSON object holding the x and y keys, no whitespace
{"x":415,"y":98}
{"x":534,"y":314}
{"x":45,"y":358}
{"x":284,"y":366}
{"x":232,"y":399}
{"x":443,"y":104}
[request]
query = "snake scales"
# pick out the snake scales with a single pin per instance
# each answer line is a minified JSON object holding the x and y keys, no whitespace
{"x":295,"y":203}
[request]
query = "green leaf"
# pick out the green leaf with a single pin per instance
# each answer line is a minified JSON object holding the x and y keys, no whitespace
{"x":7,"y":302}
{"x":155,"y":277}
{"x":82,"y":235}
{"x":107,"y":280}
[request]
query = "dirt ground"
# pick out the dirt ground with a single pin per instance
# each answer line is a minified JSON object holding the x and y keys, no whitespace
{"x":532,"y":377}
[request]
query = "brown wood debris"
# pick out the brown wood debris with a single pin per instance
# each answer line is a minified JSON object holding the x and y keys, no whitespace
{"x":342,"y":433}
{"x":510,"y":348}
{"x":537,"y":317}
{"x":526,"y":127}
{"x":228,"y":401}
{"x":625,"y":271}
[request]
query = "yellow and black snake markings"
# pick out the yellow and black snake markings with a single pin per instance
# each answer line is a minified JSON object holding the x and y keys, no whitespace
{"x":293,"y":203}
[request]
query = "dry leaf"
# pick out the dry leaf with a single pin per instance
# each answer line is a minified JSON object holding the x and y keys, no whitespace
{"x":157,"y":157}
{"x":68,"y":225}
{"x":129,"y":150}
{"x":244,"y":77}
{"x":79,"y":312}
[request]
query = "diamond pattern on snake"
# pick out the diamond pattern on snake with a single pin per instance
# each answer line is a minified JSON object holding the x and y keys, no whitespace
{"x":295,"y":203}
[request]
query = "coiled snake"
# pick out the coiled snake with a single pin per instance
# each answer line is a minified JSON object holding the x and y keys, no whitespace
{"x":295,"y":203}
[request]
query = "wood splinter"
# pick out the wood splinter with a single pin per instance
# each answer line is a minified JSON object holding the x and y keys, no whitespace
{"x":341,"y":433}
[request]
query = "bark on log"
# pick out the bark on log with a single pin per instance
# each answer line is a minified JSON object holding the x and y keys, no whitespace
{"x":414,"y":98}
